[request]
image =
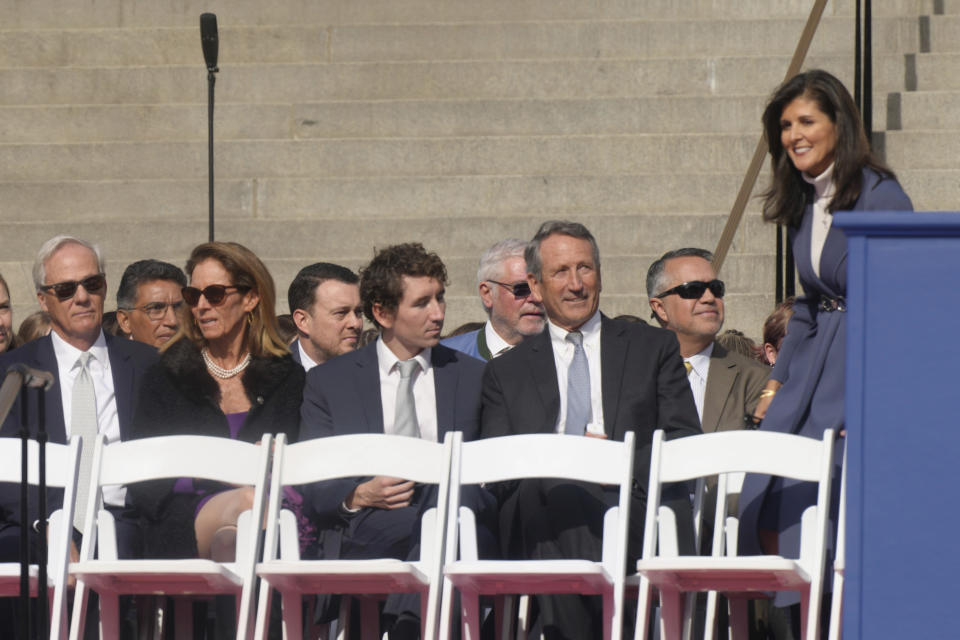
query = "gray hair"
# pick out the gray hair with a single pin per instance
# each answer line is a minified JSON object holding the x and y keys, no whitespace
{"x":492,"y":258}
{"x":50,"y":247}
{"x":554,"y":227}
{"x":657,"y":273}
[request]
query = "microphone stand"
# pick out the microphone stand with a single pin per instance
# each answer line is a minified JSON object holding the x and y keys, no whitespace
{"x":18,"y":379}
{"x":211,"y":81}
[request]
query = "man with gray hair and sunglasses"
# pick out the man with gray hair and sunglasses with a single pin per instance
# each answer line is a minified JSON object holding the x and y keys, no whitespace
{"x":96,"y":381}
{"x":513,"y":311}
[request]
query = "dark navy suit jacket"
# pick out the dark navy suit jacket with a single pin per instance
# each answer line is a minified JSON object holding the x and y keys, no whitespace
{"x":128,"y":362}
{"x":342,"y":396}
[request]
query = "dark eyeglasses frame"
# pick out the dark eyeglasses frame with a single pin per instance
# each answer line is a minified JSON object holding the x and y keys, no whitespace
{"x":214,"y":293}
{"x":519,"y":290}
{"x":156,"y":310}
{"x":695,"y":289}
{"x":65,"y":290}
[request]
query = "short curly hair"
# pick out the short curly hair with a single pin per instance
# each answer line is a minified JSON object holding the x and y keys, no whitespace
{"x":381,"y":281}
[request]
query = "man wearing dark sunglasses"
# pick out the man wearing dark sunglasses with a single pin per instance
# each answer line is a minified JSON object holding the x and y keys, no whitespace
{"x":513,"y":312}
{"x":71,"y":287}
{"x":687,"y":298}
{"x":148,"y":299}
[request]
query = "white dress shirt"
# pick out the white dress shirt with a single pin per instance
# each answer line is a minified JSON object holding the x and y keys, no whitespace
{"x":822,"y":218}
{"x":563,"y":355}
{"x":700,"y":363}
{"x":497,"y":345}
{"x":424,"y":391}
{"x":305,"y":360}
{"x":108,"y":420}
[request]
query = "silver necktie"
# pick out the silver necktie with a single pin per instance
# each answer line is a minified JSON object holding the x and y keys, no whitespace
{"x":405,"y":416}
{"x":83,"y":423}
{"x":578,"y":388}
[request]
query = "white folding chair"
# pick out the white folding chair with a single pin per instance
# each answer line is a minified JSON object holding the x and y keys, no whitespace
{"x":526,"y":456}
{"x":722,"y":453}
{"x":343,"y":457}
{"x":62,"y":462}
{"x":203,"y":457}
{"x":839,"y":559}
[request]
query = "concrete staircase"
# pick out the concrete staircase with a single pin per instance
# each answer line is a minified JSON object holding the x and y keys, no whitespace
{"x":343,"y":125}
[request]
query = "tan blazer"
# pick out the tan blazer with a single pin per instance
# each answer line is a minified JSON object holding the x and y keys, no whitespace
{"x":734,"y":383}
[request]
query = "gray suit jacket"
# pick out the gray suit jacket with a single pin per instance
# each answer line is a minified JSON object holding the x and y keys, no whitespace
{"x":734,"y":384}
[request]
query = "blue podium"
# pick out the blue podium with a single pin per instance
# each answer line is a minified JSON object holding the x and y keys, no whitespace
{"x":903,"y":424}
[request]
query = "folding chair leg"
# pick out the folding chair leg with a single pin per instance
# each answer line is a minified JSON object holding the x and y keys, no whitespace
{"x":836,"y":608}
{"x":182,"y":618}
{"x":470,"y":606}
{"x":710,"y":620}
{"x":109,"y":615}
{"x":503,"y":614}
{"x":292,"y":606}
{"x":369,"y":619}
{"x":608,"y":618}
{"x":343,"y":618}
{"x":79,"y":617}
{"x":644,"y":598}
{"x":689,"y":614}
{"x":739,"y":628}
{"x":523,"y":617}
{"x":671,"y":614}
{"x":263,"y":612}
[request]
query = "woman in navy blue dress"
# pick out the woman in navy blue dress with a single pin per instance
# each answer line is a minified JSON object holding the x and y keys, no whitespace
{"x":822,"y":163}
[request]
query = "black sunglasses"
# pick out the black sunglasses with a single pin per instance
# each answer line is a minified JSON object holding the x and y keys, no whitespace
{"x":66,"y":290}
{"x":519,"y":290}
{"x":215,"y":293}
{"x":694,"y":290}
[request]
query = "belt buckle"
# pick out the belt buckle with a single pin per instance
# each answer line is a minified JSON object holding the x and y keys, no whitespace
{"x":832,"y":304}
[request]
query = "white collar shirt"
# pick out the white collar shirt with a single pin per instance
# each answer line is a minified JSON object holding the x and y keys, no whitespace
{"x":497,"y":345}
{"x":108,"y":420}
{"x":424,"y":391}
{"x":700,"y":369}
{"x":305,"y":360}
{"x":563,"y":355}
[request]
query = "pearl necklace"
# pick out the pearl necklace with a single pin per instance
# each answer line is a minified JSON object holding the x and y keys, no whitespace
{"x":219,"y":371}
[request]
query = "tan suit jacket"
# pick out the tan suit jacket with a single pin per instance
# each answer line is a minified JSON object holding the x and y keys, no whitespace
{"x":734,"y":383}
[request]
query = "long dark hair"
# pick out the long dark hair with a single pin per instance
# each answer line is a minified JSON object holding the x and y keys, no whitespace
{"x":784,"y":201}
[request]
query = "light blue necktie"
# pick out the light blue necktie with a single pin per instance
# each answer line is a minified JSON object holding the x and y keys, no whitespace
{"x":405,"y":414}
{"x":578,"y":388}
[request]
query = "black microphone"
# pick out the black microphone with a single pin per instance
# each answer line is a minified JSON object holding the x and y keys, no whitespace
{"x":209,"y":39}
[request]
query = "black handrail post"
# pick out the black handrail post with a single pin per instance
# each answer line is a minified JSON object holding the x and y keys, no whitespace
{"x":867,"y":113}
{"x":211,"y":81}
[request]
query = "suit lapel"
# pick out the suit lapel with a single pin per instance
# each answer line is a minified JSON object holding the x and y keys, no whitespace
{"x":445,"y":382}
{"x":123,"y":385}
{"x":46,"y":360}
{"x":368,"y":386}
{"x":720,"y":380}
{"x":544,"y":369}
{"x":613,"y":353}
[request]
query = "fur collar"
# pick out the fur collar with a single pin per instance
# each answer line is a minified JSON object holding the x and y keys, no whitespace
{"x":187,"y":371}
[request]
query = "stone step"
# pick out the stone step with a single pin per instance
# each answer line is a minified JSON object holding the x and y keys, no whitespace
{"x":931,"y":189}
{"x":935,"y":72}
{"x":945,"y":33}
{"x":383,"y":197}
{"x":531,"y":79}
{"x":461,"y":41}
{"x":528,"y":155}
{"x":353,"y":240}
{"x":929,"y":109}
{"x":53,"y":14}
{"x":923,"y":149}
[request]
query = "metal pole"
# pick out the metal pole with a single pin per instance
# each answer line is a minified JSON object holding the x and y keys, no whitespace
{"x":211,"y":80}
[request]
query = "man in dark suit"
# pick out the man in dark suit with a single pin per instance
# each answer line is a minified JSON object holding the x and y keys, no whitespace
{"x":68,"y":275}
{"x":404,"y":383}
{"x":324,"y":301}
{"x":148,"y":299}
{"x":687,"y":298}
{"x":586,"y":375}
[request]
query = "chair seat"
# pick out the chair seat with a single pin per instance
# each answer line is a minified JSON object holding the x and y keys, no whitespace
{"x":10,"y":579}
{"x":344,"y":576}
{"x":530,"y":576}
{"x":173,"y":577}
{"x":743,"y":574}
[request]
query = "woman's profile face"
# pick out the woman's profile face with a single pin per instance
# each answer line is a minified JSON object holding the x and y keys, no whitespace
{"x":226,"y":319}
{"x":808,"y":136}
{"x":6,"y":319}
